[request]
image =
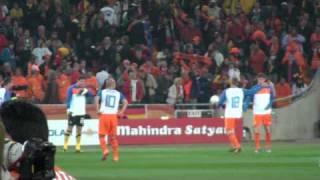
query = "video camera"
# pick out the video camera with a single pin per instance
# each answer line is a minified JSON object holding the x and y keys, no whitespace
{"x":37,"y":160}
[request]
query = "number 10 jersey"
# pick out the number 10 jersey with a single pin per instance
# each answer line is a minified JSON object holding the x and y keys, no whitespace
{"x":110,"y":101}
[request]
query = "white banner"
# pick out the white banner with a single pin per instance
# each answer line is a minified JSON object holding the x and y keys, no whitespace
{"x":89,"y":136}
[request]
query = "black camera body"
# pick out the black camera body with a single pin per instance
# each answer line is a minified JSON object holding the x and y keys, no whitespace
{"x":37,"y":161}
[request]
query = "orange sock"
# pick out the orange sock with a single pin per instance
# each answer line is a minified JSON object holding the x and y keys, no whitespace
{"x":103,"y":144}
{"x":257,"y":140}
{"x":115,"y":148}
{"x":235,"y":141}
{"x":268,"y":140}
{"x":231,"y":141}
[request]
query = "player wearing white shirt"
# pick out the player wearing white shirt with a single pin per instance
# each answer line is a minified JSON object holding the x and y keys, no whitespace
{"x":233,"y":99}
{"x":262,"y":107}
{"x":76,"y":110}
{"x":107,"y":104}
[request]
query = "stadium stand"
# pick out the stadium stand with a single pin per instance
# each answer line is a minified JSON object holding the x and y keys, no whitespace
{"x":150,"y":43}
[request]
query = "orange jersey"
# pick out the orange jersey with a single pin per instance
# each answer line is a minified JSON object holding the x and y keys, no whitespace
{"x":63,"y":82}
{"x":20,"y":81}
{"x":92,"y":85}
{"x":283,"y":91}
{"x":35,"y":87}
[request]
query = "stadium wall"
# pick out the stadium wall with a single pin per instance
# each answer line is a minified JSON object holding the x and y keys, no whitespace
{"x":298,"y":120}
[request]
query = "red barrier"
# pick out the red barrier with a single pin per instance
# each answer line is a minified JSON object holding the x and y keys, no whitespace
{"x":174,"y":131}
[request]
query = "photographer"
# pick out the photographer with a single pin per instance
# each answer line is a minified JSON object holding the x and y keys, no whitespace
{"x":27,"y":152}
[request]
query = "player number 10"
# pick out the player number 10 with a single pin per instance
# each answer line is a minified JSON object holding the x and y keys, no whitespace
{"x":110,"y":101}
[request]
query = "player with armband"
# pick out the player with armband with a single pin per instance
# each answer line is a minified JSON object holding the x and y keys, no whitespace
{"x":76,"y":110}
{"x":107,"y":104}
{"x":232,"y":98}
{"x":262,"y":97}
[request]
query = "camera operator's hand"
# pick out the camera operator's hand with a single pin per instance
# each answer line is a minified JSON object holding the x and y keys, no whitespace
{"x":12,"y":152}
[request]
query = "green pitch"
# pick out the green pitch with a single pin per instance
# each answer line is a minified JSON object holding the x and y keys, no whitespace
{"x":288,"y":161}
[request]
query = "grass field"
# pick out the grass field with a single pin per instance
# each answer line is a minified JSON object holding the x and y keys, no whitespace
{"x":288,"y":161}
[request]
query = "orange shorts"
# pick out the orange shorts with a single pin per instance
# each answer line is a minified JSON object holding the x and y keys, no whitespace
{"x":230,"y":123}
{"x":108,"y":124}
{"x":263,"y":119}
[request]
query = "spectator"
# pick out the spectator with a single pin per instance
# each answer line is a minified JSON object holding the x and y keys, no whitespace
{"x":110,"y":15}
{"x":107,"y":53}
{"x":40,"y":34}
{"x":203,"y":86}
{"x":92,"y":85}
{"x":294,"y":60}
{"x":220,"y":82}
{"x":36,"y":85}
{"x":214,"y":10}
{"x":293,"y":38}
{"x":283,"y":90}
{"x":52,"y":92}
{"x":63,"y":81}
{"x":215,"y":54}
{"x":54,"y":43}
{"x":194,"y":88}
{"x":19,"y":85}
{"x":133,"y":88}
{"x":257,"y":59}
{"x":136,"y":31}
{"x":188,"y":30}
{"x":75,"y":74}
{"x":299,"y":86}
{"x":150,"y":86}
{"x":102,"y":75}
{"x":26,"y":45}
{"x":234,"y":72}
{"x":163,"y":81}
{"x":4,"y":11}
{"x":175,"y":94}
{"x":83,"y":67}
{"x":234,"y":56}
{"x":40,"y":51}
{"x":16,"y":12}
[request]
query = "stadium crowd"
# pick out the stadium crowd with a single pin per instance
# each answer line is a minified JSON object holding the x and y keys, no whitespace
{"x":160,"y":51}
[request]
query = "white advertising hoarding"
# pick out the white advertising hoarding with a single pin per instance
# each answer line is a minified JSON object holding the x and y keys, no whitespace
{"x":89,"y":136}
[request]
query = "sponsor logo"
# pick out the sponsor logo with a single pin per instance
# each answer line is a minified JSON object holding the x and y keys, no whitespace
{"x":56,"y":132}
{"x":188,"y":130}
